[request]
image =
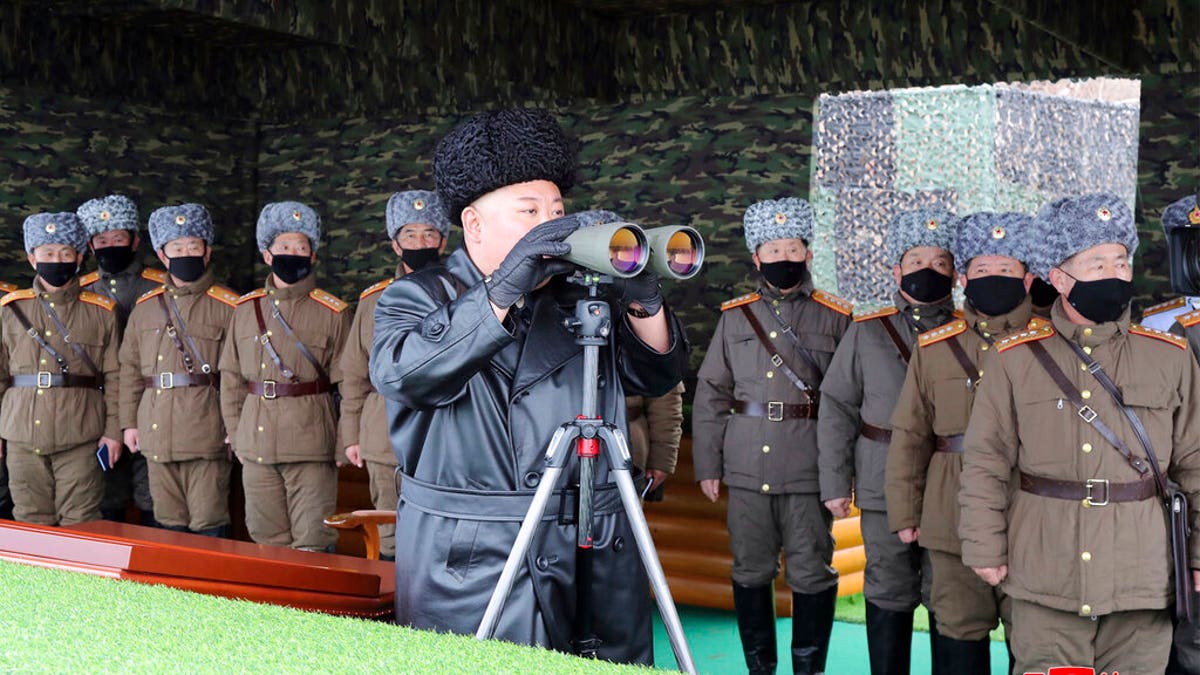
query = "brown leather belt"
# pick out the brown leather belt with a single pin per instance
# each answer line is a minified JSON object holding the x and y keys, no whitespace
{"x":633,"y":413}
{"x":949,"y":444}
{"x":875,"y":433}
{"x":47,"y":380}
{"x":1095,"y":492}
{"x":776,"y":411}
{"x":270,"y":389}
{"x":178,"y":380}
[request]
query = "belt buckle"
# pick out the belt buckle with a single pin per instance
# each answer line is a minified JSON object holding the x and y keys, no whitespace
{"x":269,"y":390}
{"x":1087,"y":414}
{"x":43,"y":379}
{"x":775,"y":411}
{"x":1092,"y":482}
{"x":166,"y":380}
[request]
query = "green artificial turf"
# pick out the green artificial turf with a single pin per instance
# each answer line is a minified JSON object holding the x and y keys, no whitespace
{"x":66,"y":622}
{"x":853,"y":609}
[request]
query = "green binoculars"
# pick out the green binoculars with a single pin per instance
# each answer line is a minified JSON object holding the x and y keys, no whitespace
{"x":625,"y":249}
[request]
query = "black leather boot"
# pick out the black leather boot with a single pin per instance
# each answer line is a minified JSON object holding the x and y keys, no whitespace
{"x":812,"y":621}
{"x":889,"y":640}
{"x":964,"y":656}
{"x":756,"y":625}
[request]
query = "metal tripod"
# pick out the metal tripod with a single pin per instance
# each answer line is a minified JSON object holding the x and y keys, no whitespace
{"x":592,"y":324}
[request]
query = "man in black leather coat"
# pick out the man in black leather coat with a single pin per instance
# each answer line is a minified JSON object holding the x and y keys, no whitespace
{"x":480,"y":371}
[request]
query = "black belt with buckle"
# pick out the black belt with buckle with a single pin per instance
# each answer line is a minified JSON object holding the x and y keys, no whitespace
{"x":776,"y":411}
{"x":47,"y":380}
{"x":179,"y":380}
{"x":270,"y":389}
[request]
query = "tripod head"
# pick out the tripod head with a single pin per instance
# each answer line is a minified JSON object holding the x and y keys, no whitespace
{"x":592,"y":322}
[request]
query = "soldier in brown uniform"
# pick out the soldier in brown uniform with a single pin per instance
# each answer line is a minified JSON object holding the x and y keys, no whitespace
{"x":58,"y":374}
{"x":925,"y":454}
{"x":655,"y":427}
{"x":6,"y":504}
{"x":112,"y":228}
{"x":278,"y":367}
{"x":1051,"y":509}
{"x":170,"y":397}
{"x":854,"y":424}
{"x":755,"y":427}
{"x":417,"y":227}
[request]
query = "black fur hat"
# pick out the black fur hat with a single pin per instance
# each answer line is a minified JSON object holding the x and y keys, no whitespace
{"x":497,"y":148}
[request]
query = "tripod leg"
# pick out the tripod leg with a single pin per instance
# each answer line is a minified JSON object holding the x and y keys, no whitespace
{"x":618,"y":454}
{"x":556,"y":458}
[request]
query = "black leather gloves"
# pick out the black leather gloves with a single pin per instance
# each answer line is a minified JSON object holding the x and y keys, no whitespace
{"x":527,"y":264}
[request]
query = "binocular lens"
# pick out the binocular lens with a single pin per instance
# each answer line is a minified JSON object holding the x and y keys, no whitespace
{"x":625,"y":251}
{"x":683,"y":253}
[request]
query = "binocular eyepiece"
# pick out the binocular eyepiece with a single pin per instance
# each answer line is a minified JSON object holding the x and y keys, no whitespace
{"x":625,"y":249}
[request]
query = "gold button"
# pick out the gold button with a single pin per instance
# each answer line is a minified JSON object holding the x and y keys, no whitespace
{"x":983,"y":324}
{"x":766,"y":448}
{"x":766,"y":487}
{"x":262,"y":365}
{"x":39,"y":392}
{"x":1085,"y":556}
{"x":1087,"y":350}
{"x":1086,"y":394}
{"x":52,"y":304}
{"x":774,"y":334}
{"x":1083,"y":366}
{"x":271,"y":292}
{"x":48,"y":333}
{"x":775,"y":302}
{"x":260,"y":460}
{"x":155,"y":458}
{"x":160,"y":357}
{"x":37,"y":451}
{"x":1086,"y":609}
{"x":770,"y":374}
{"x":112,"y":282}
{"x":158,"y":392}
{"x":1087,"y":331}
{"x":981,"y":372}
{"x":1087,"y":504}
{"x":986,"y":334}
{"x":1086,"y":447}
{"x":37,"y":423}
{"x":154,"y":426}
{"x":268,"y":333}
{"x":43,"y":362}
{"x":983,"y":347}
{"x":260,"y":428}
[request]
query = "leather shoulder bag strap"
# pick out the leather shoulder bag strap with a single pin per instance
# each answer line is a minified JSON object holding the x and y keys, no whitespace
{"x":265,"y":340}
{"x":775,"y":356}
{"x":172,"y":332}
{"x":905,"y":352}
{"x":79,"y":350}
{"x":37,"y":337}
{"x":304,"y":351}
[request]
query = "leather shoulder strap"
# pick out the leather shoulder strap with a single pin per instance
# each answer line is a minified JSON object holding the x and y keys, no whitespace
{"x":776,"y":358}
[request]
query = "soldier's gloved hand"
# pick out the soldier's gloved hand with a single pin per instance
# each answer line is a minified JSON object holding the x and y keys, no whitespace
{"x":642,"y":290}
{"x":532,"y":261}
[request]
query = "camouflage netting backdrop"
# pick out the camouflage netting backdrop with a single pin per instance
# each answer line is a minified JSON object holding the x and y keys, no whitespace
{"x":985,"y":148}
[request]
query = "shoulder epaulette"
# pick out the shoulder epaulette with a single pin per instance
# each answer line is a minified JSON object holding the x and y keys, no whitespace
{"x":1029,"y":335}
{"x":1190,"y":319}
{"x":942,"y":332}
{"x":256,"y":293}
{"x":1169,"y":338}
{"x":89,"y":278}
{"x":877,"y":314}
{"x":1174,"y":303}
{"x":97,"y":300}
{"x":6,"y":287}
{"x":222,"y":294}
{"x":740,"y":300}
{"x":375,"y":288}
{"x":833,"y":302}
{"x":1037,"y":322}
{"x":328,"y":299}
{"x":151,"y":293}
{"x":23,"y":294}
{"x":159,"y":276}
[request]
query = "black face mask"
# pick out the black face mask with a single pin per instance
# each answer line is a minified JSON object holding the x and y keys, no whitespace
{"x":291,"y":268}
{"x":995,"y":295}
{"x":784,"y":274}
{"x":926,"y":285}
{"x":57,"y":274}
{"x":114,"y":259}
{"x":1102,"y":300}
{"x":418,"y":258}
{"x":1042,"y":293}
{"x":186,"y":268}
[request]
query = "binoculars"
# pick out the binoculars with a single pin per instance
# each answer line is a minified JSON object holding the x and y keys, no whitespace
{"x":625,"y":249}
